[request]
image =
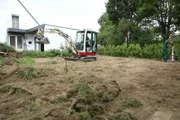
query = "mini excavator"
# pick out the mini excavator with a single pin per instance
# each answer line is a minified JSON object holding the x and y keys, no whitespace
{"x":84,"y":48}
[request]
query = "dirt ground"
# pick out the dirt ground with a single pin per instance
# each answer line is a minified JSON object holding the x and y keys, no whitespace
{"x":48,"y":96}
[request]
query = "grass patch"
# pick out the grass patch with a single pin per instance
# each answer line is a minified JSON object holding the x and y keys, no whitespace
{"x":24,"y":60}
{"x":34,"y":107}
{"x":131,"y":103}
{"x":84,"y":93}
{"x":1,"y":59}
{"x":85,"y":116}
{"x":124,"y":116}
{"x":52,"y":62}
{"x":5,"y":88}
{"x":4,"y":48}
{"x":28,"y":74}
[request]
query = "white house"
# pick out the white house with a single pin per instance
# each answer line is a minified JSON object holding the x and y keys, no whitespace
{"x":18,"y":29}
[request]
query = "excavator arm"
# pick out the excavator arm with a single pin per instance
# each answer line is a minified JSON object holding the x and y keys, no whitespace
{"x":43,"y":40}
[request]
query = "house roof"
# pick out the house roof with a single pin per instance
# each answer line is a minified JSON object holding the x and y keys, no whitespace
{"x":22,"y":31}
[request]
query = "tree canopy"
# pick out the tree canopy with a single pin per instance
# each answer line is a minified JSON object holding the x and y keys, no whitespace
{"x":139,"y":20}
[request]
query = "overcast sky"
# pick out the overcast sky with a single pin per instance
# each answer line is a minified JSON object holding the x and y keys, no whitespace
{"x":69,"y":13}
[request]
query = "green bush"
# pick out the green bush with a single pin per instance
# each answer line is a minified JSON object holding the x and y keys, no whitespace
{"x":150,"y":51}
{"x":4,"y":48}
{"x":50,"y":53}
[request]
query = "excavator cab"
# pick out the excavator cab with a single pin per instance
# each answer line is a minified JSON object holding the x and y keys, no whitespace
{"x":86,"y":43}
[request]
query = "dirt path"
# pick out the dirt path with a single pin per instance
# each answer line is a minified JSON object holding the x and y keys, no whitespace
{"x":154,"y":84}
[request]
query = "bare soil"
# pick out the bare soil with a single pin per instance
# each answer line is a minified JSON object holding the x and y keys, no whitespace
{"x":49,"y":94}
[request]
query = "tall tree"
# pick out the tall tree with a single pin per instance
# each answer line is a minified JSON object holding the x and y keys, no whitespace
{"x":164,"y":13}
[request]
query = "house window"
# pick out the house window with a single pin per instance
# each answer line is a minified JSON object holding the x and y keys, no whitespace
{"x":16,"y":41}
{"x":15,"y":21}
{"x":19,"y":42}
{"x":13,"y":41}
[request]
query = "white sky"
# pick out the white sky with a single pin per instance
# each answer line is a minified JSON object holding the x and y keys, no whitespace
{"x":78,"y":14}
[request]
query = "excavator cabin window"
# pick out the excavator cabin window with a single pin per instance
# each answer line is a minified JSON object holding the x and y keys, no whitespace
{"x":89,"y":45}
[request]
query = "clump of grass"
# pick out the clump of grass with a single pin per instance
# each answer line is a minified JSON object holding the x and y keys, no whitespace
{"x":28,"y":74}
{"x":84,"y":93}
{"x":34,"y":107}
{"x":131,"y":103}
{"x":6,"y":87}
{"x":4,"y":48}
{"x":85,"y":116}
{"x":52,"y":62}
{"x":24,"y":60}
{"x":124,"y":116}
{"x":1,"y":59}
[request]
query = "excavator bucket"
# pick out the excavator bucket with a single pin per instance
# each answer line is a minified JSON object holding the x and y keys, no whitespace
{"x":43,"y":40}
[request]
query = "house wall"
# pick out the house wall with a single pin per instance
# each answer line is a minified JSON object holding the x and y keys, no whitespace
{"x":9,"y":8}
{"x":30,"y":43}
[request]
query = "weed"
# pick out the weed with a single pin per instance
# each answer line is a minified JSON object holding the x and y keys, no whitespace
{"x":84,"y":92}
{"x":28,"y":74}
{"x":131,"y":103}
{"x":124,"y":116}
{"x":24,"y":60}
{"x":85,"y":116}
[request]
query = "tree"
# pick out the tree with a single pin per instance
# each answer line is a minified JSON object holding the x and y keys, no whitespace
{"x":162,"y":13}
{"x":121,"y":10}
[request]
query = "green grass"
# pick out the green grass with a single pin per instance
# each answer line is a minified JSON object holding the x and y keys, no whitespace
{"x":124,"y":116}
{"x":52,"y":62}
{"x":6,"y":87}
{"x":4,"y":48}
{"x":1,"y":59}
{"x":84,"y":92}
{"x":24,"y":60}
{"x":134,"y":103}
{"x":85,"y":116}
{"x":27,"y":74}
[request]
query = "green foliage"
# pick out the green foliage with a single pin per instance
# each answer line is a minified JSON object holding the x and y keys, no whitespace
{"x":51,"y":53}
{"x":151,"y":51}
{"x":27,"y":74}
{"x":24,"y":60}
{"x":131,"y":103}
{"x":85,"y":116}
{"x":84,"y":93}
{"x":4,"y":48}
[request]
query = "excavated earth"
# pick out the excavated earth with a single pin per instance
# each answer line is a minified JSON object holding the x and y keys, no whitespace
{"x":48,"y":93}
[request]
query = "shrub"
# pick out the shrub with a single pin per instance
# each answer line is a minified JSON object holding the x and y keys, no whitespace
{"x":151,"y":51}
